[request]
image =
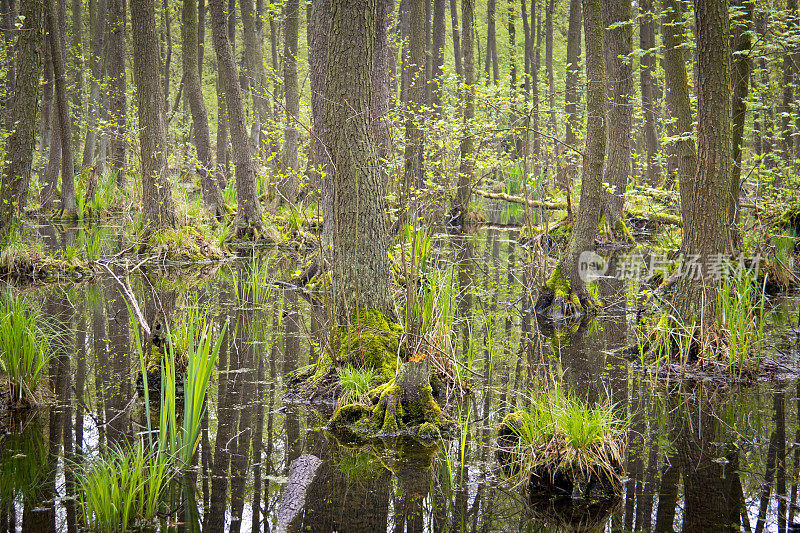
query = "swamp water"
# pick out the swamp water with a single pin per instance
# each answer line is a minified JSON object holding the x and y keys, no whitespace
{"x":701,"y":456}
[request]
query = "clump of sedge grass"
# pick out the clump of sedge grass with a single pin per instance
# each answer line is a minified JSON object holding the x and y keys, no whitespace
{"x":563,"y":442}
{"x":355,"y":383}
{"x":122,"y":487}
{"x":23,"y":349}
{"x":740,"y":305}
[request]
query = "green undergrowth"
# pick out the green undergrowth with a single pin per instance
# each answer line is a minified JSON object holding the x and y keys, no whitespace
{"x":25,"y":258}
{"x":733,"y":345}
{"x":124,"y":486}
{"x":562,"y":444}
{"x":370,"y":341}
{"x":23,"y":350}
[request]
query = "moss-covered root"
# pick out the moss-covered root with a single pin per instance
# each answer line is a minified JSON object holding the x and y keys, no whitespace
{"x":369,"y":341}
{"x":404,"y":407}
{"x":557,"y":300}
{"x":617,"y":231}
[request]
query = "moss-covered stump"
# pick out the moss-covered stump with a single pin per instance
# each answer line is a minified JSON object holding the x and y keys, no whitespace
{"x":402,"y":407}
{"x":557,"y":300}
{"x":554,"y":467}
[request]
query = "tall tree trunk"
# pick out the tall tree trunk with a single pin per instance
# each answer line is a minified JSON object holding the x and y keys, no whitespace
{"x":512,"y":66}
{"x":742,"y":67}
{"x":256,"y":75}
{"x":57,"y":46}
{"x":584,"y":229}
{"x":571,"y":93}
{"x":223,"y":133}
{"x":676,"y":81}
{"x":212,"y":196}
{"x":288,"y":186}
{"x":248,"y":222}
{"x":466,"y":169}
{"x":158,"y":206}
{"x":380,"y":82}
{"x":764,"y":123}
{"x":359,"y":239}
{"x":317,"y":65}
{"x":620,"y":109}
{"x":551,"y":84}
{"x":9,"y":19}
{"x":647,"y":43}
{"x":97,"y":62}
{"x":437,"y":66}
{"x":491,"y":63}
{"x":46,"y":128}
{"x":76,"y":71}
{"x":117,"y":99}
{"x":789,"y":79}
{"x":458,"y":52}
{"x":23,"y":113}
{"x":415,"y":120}
{"x":705,"y":197}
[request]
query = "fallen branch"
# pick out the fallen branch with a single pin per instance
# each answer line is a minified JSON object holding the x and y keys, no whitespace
{"x":520,"y":200}
{"x":128,"y":294}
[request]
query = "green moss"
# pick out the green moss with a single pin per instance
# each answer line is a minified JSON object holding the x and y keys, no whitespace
{"x":562,"y":290}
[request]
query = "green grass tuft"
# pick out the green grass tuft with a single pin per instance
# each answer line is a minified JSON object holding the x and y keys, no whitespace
{"x":23,"y":349}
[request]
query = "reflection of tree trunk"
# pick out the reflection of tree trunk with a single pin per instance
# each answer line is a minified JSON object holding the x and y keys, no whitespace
{"x":779,"y":405}
{"x":709,"y":487}
{"x":291,"y":352}
{"x":214,"y":518}
{"x":668,"y":494}
{"x":242,"y":393}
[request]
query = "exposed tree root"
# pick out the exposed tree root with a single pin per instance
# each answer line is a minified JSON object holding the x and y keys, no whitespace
{"x":558,"y":301}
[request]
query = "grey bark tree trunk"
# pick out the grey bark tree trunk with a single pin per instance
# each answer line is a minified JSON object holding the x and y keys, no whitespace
{"x":57,"y":46}
{"x":248,"y":222}
{"x":705,"y":197}
{"x":76,"y":51}
{"x":358,"y":249}
{"x":491,"y":62}
{"x":647,"y":43}
{"x":742,"y":67}
{"x":212,"y":196}
{"x":620,"y":109}
{"x":255,"y":75}
{"x":458,"y":54}
{"x":466,"y":169}
{"x":415,"y":120}
{"x":158,"y":206}
{"x":317,"y":65}
{"x":571,"y":93}
{"x":98,"y":64}
{"x":288,"y":186}
{"x":584,"y":230}
{"x":23,"y":113}
{"x":677,"y":84}
{"x":789,"y":79}
{"x":117,"y":98}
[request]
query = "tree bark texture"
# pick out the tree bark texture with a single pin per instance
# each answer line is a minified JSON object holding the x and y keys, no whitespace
{"x":673,"y":28}
{"x":117,"y":99}
{"x":288,"y":186}
{"x":212,"y":196}
{"x":248,"y":215}
{"x":57,"y":46}
{"x":414,"y":119}
{"x":617,"y":13}
{"x":742,"y":68}
{"x":98,"y":64}
{"x":706,"y":196}
{"x":158,"y":206}
{"x":466,"y":169}
{"x":647,"y":44}
{"x":23,"y":114}
{"x":317,"y":64}
{"x":358,"y":250}
{"x":584,"y":229}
